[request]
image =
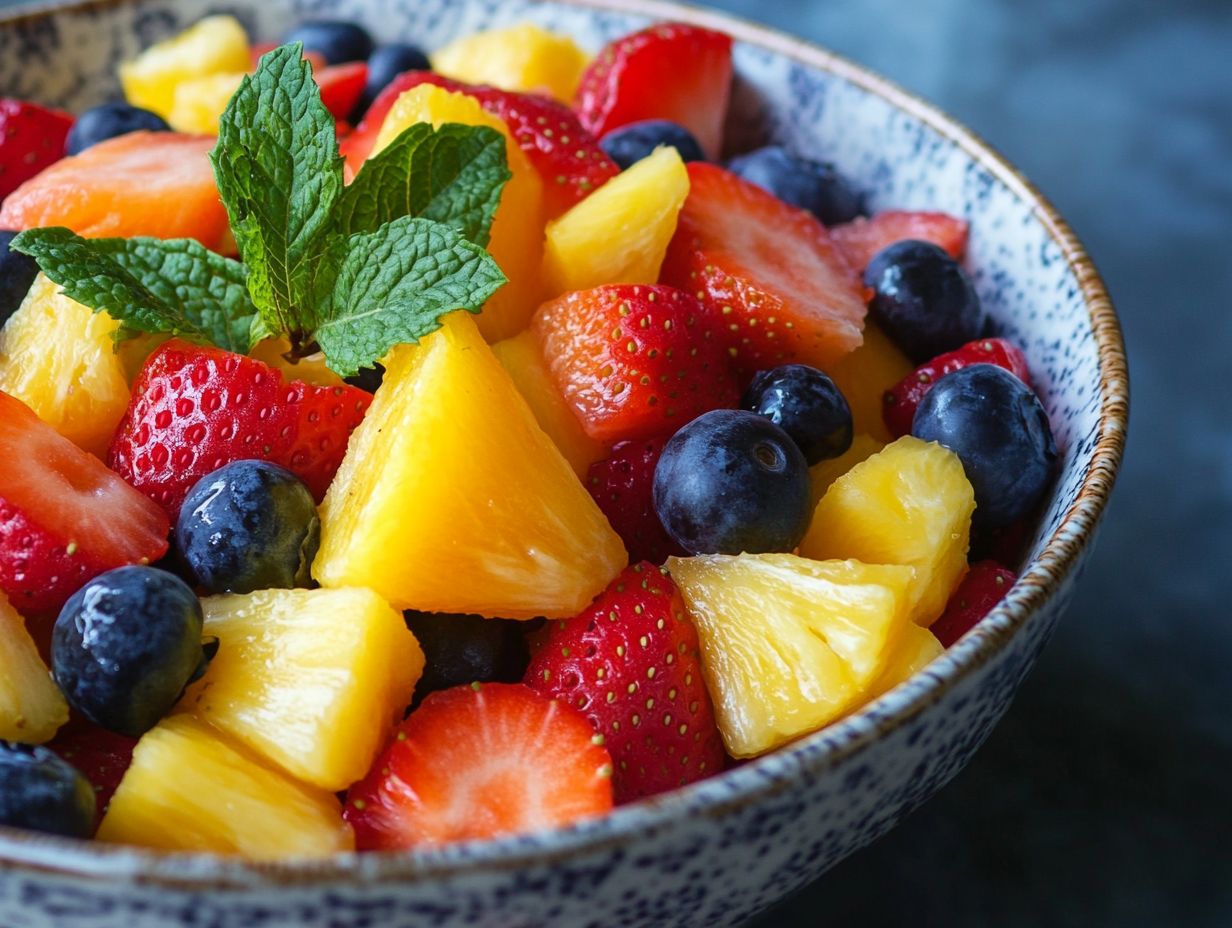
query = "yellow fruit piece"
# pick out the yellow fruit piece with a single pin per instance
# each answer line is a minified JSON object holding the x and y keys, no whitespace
{"x":214,"y":45}
{"x":451,"y":498}
{"x":517,"y":229}
{"x":915,"y":650}
{"x":524,"y":57}
{"x":619,"y":234}
{"x":865,"y":375}
{"x":198,"y":102}
{"x":312,"y":680}
{"x":824,"y":473}
{"x":908,"y":504}
{"x":520,"y":356}
{"x":788,"y":644}
{"x":31,"y":707}
{"x":57,"y":356}
{"x":191,"y":789}
{"x":312,"y":369}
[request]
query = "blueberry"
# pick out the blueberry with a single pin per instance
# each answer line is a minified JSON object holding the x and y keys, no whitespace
{"x":250,"y":525}
{"x":337,"y":40}
{"x":384,"y":64}
{"x":807,"y":405}
{"x":126,"y":644}
{"x":17,"y":273}
{"x":923,"y":299}
{"x":106,"y":122}
{"x":629,"y":144}
{"x":462,"y":649}
{"x":811,"y":185}
{"x":999,"y":430}
{"x":41,"y":792}
{"x":732,"y":481}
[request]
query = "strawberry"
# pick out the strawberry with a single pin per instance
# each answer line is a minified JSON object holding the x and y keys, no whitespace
{"x":31,"y":138}
{"x":477,"y":762}
{"x":666,"y":71}
{"x":195,"y":409}
{"x":862,"y":238}
{"x":985,"y":585}
{"x":341,"y":86}
{"x":357,"y":146}
{"x":630,"y":662}
{"x":902,"y":399}
{"x":101,"y":756}
{"x":632,"y":360}
{"x":622,"y":485}
{"x":64,"y":517}
{"x":776,"y":289}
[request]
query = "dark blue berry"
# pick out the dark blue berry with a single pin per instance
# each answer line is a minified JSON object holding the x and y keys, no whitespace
{"x":811,"y":185}
{"x":384,"y":64}
{"x":732,"y":481}
{"x":41,"y":792}
{"x":337,"y":40}
{"x":17,"y":273}
{"x":125,"y":645}
{"x":250,"y":525}
{"x":923,"y":299}
{"x":629,"y":144}
{"x":999,"y":430}
{"x":106,"y":122}
{"x":462,"y":649}
{"x":807,"y":405}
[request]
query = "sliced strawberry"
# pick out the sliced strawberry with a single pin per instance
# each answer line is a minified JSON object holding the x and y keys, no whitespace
{"x":633,"y":360}
{"x":31,"y":138}
{"x":357,"y":146}
{"x":195,"y":409}
{"x":64,"y":517}
{"x":862,"y":238}
{"x":101,"y":756}
{"x":622,"y":485}
{"x":631,"y":663}
{"x":984,"y":586}
{"x":666,"y":71}
{"x":902,"y":399}
{"x":341,"y":86}
{"x":477,"y":762}
{"x":774,"y":286}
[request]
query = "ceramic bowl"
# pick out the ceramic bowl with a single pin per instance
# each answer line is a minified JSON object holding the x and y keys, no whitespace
{"x":719,"y":851}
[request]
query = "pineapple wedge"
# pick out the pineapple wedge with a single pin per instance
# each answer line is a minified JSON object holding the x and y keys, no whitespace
{"x":524,"y":57}
{"x":915,"y":650}
{"x":31,"y":707}
{"x":213,"y":45}
{"x":864,"y":376}
{"x":823,"y":474}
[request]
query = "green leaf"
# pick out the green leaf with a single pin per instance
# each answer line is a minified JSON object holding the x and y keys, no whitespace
{"x":280,"y":176}
{"x":393,"y":286}
{"x":453,"y":175}
{"x":149,"y":284}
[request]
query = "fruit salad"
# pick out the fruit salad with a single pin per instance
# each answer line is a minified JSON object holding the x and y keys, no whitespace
{"x":404,"y":448}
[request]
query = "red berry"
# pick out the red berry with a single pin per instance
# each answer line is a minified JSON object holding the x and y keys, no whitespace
{"x":622,"y":484}
{"x":341,"y":86}
{"x":862,"y":238}
{"x":31,"y":138}
{"x":101,"y":756}
{"x":984,"y":586}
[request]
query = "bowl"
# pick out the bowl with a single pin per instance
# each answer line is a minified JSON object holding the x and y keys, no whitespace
{"x":716,"y":852}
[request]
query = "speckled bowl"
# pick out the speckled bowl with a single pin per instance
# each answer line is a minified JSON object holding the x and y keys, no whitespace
{"x":718,"y":851}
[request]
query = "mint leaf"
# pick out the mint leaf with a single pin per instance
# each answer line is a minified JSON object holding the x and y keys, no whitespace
{"x":393,"y":286}
{"x":279,"y":176}
{"x":453,"y":175}
{"x":149,"y":284}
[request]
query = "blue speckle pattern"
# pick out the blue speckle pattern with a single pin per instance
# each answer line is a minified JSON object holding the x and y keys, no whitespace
{"x":719,"y":851}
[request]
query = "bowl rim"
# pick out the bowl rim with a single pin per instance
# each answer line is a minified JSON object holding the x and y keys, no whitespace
{"x":768,"y":775}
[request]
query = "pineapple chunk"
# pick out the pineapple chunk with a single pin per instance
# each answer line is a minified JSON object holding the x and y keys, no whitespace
{"x":824,"y":473}
{"x":516,"y":242}
{"x":452,"y":499}
{"x":915,"y":650}
{"x":524,"y":57}
{"x":788,"y":644}
{"x":31,"y":707}
{"x":198,"y":102}
{"x":910,"y":504}
{"x":189,"y":789}
{"x":57,"y":357}
{"x":619,"y":234}
{"x":864,"y":376}
{"x":312,"y":680}
{"x":214,"y":45}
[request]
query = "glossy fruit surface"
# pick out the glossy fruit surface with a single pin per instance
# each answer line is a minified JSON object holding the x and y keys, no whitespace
{"x":523,"y":57}
{"x":865,"y":375}
{"x":17,"y":273}
{"x":629,"y":144}
{"x":806,"y":404}
{"x":824,"y":473}
{"x":100,"y":756}
{"x":197,"y":103}
{"x":623,"y":486}
{"x":464,"y":649}
{"x":384,"y":65}
{"x":862,"y":238}
{"x":212,"y":45}
{"x":342,"y":85}
{"x":31,"y":139}
{"x":336,"y":40}
{"x":107,"y":120}
{"x":40,"y":792}
{"x":32,"y":709}
{"x":985,"y":585}
{"x":809,"y":185}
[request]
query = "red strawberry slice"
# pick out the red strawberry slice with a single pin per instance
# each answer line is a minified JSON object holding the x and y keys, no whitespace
{"x":101,"y":756}
{"x":31,"y":138}
{"x":862,"y":238}
{"x":631,"y":663}
{"x":902,"y":399}
{"x":341,"y":86}
{"x":633,"y":360}
{"x":195,"y":409}
{"x":776,"y":289}
{"x":667,"y":71}
{"x":477,"y":762}
{"x":623,"y":485}
{"x":64,"y":517}
{"x":984,"y":586}
{"x":357,"y":146}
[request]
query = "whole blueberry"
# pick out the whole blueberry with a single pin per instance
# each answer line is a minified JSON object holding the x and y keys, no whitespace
{"x":125,"y":645}
{"x":250,"y":525}
{"x":17,"y":273}
{"x":811,"y":185}
{"x":923,"y":299}
{"x":41,"y":792}
{"x":107,"y":121}
{"x":631,"y":143}
{"x":384,"y":64}
{"x":807,"y":405}
{"x":999,"y":430}
{"x":732,"y":481}
{"x":336,"y":40}
{"x":462,"y":649}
